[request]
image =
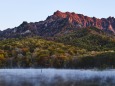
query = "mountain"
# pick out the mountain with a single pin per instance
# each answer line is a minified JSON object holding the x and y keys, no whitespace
{"x":63,"y":40}
{"x":58,"y":24}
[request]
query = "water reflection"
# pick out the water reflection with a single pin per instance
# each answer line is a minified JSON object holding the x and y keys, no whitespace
{"x":56,"y":77}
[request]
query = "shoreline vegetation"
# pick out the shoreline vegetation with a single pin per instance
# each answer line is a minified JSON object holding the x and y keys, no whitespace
{"x":35,"y":52}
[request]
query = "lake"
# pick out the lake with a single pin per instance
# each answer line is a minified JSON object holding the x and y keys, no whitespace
{"x":56,"y":77}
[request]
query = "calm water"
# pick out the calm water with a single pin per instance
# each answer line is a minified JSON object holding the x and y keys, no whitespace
{"x":56,"y":77}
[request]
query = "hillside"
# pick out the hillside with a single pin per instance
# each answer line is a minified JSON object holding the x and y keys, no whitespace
{"x":36,"y":52}
{"x":92,"y":39}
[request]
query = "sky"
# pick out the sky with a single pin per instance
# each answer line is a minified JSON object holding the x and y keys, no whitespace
{"x":14,"y":12}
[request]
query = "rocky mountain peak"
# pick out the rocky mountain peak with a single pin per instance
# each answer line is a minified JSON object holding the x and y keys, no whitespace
{"x":60,"y":14}
{"x":60,"y":23}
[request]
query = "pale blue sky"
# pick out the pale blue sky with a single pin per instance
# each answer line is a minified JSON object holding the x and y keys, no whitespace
{"x":14,"y":12}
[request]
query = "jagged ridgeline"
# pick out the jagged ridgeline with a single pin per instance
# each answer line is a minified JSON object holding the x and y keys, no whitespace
{"x":58,"y":24}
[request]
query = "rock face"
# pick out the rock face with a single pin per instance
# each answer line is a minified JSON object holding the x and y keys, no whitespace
{"x":85,"y":21}
{"x":60,"y":23}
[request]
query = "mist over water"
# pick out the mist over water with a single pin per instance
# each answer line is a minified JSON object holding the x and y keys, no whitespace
{"x":56,"y":77}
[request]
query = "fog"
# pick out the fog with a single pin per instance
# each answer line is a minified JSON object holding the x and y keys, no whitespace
{"x":56,"y":77}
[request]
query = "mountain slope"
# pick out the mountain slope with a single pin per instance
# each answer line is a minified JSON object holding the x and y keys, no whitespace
{"x":91,"y":39}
